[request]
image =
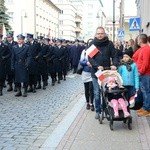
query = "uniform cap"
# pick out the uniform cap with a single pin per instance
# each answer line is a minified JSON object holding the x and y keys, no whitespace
{"x":46,"y":39}
{"x":29,"y":36}
{"x":20,"y":36}
{"x":9,"y":35}
{"x":40,"y":37}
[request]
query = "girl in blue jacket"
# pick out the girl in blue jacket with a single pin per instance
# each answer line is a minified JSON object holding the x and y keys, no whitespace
{"x":129,"y":73}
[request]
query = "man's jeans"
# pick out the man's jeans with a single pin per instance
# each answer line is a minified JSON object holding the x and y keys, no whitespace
{"x":97,"y":96}
{"x":145,"y":88}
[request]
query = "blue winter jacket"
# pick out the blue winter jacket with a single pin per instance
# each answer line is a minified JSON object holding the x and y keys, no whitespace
{"x":83,"y":62}
{"x":130,"y":78}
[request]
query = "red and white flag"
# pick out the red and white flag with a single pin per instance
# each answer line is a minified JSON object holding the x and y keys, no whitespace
{"x":132,"y":100}
{"x":92,"y":51}
{"x":3,"y":30}
{"x":99,"y":74}
{"x":48,"y":35}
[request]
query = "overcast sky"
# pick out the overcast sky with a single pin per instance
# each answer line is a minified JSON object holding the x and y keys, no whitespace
{"x":129,"y":7}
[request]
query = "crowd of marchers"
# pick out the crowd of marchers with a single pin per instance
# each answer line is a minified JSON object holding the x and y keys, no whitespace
{"x":27,"y":64}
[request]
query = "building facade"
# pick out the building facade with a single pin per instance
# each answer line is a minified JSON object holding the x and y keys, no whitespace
{"x":70,"y":26}
{"x":143,"y":12}
{"x":93,"y":16}
{"x":39,"y":17}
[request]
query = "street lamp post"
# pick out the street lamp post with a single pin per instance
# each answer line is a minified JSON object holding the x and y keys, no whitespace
{"x":98,"y":16}
{"x":35,"y":18}
{"x":23,"y":15}
{"x":113,"y":20}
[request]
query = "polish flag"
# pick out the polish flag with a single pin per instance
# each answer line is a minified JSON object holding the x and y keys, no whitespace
{"x":99,"y":74}
{"x":3,"y":30}
{"x":92,"y":51}
{"x":48,"y":35}
{"x":132,"y":100}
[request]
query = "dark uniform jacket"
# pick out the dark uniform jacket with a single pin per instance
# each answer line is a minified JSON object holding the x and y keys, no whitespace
{"x":60,"y":55}
{"x":21,"y":58}
{"x":75,"y":54}
{"x":4,"y":55}
{"x":42,"y":61}
{"x":35,"y":54}
{"x":50,"y":60}
{"x":104,"y":56}
{"x":8,"y":62}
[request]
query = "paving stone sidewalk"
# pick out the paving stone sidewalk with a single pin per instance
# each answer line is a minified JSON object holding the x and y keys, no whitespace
{"x":87,"y":134}
{"x":25,"y":123}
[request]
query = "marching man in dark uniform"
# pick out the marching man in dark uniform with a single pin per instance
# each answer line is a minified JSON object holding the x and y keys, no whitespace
{"x":4,"y":54}
{"x":60,"y":55}
{"x":33,"y":69}
{"x":50,"y":61}
{"x":42,"y":63}
{"x":10,"y":75}
{"x":21,"y":58}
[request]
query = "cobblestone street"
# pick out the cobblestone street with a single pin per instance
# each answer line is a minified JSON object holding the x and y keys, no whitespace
{"x":26,"y":122}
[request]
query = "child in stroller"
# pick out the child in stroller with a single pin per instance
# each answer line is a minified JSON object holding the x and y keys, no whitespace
{"x":115,"y":97}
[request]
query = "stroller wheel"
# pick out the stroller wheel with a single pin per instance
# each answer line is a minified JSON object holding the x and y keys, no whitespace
{"x":111,"y":125}
{"x":130,"y":123}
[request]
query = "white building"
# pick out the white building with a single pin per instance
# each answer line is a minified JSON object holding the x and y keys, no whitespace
{"x":93,"y":16}
{"x":33,"y":16}
{"x":70,"y":18}
{"x":143,"y":11}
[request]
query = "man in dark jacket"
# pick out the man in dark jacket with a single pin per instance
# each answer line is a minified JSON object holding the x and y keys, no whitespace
{"x":4,"y":54}
{"x":10,"y":75}
{"x":101,"y":61}
{"x":42,"y":64}
{"x":33,"y":67}
{"x":21,"y":58}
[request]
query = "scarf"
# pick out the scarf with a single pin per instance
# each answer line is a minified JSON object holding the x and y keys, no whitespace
{"x":100,"y":43}
{"x":127,"y":64}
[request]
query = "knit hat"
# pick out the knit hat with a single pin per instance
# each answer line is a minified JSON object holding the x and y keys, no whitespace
{"x":109,"y":79}
{"x":129,"y":53}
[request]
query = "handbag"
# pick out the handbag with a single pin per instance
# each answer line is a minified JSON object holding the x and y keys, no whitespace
{"x":80,"y":69}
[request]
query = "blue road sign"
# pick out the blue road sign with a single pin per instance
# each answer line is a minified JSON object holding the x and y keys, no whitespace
{"x":120,"y":33}
{"x":135,"y":24}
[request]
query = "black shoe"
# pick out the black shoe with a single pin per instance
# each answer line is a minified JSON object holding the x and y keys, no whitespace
{"x":88,"y":106}
{"x":1,"y":93}
{"x":15,"y":89}
{"x":34,"y":91}
{"x":24,"y":93}
{"x":58,"y":81}
{"x":44,"y":87}
{"x":18,"y":94}
{"x":92,"y":108}
{"x":64,"y":78}
{"x":10,"y":88}
{"x":30,"y":89}
{"x":38,"y":87}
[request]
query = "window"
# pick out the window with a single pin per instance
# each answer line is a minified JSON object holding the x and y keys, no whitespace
{"x":61,"y":22}
{"x":90,"y":6}
{"x":10,"y":1}
{"x":61,"y":11}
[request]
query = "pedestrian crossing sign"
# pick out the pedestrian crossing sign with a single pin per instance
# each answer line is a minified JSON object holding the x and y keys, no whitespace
{"x":120,"y":33}
{"x":134,"y":24}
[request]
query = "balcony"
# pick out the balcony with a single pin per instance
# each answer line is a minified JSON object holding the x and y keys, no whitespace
{"x":78,"y":19}
{"x":78,"y":29}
